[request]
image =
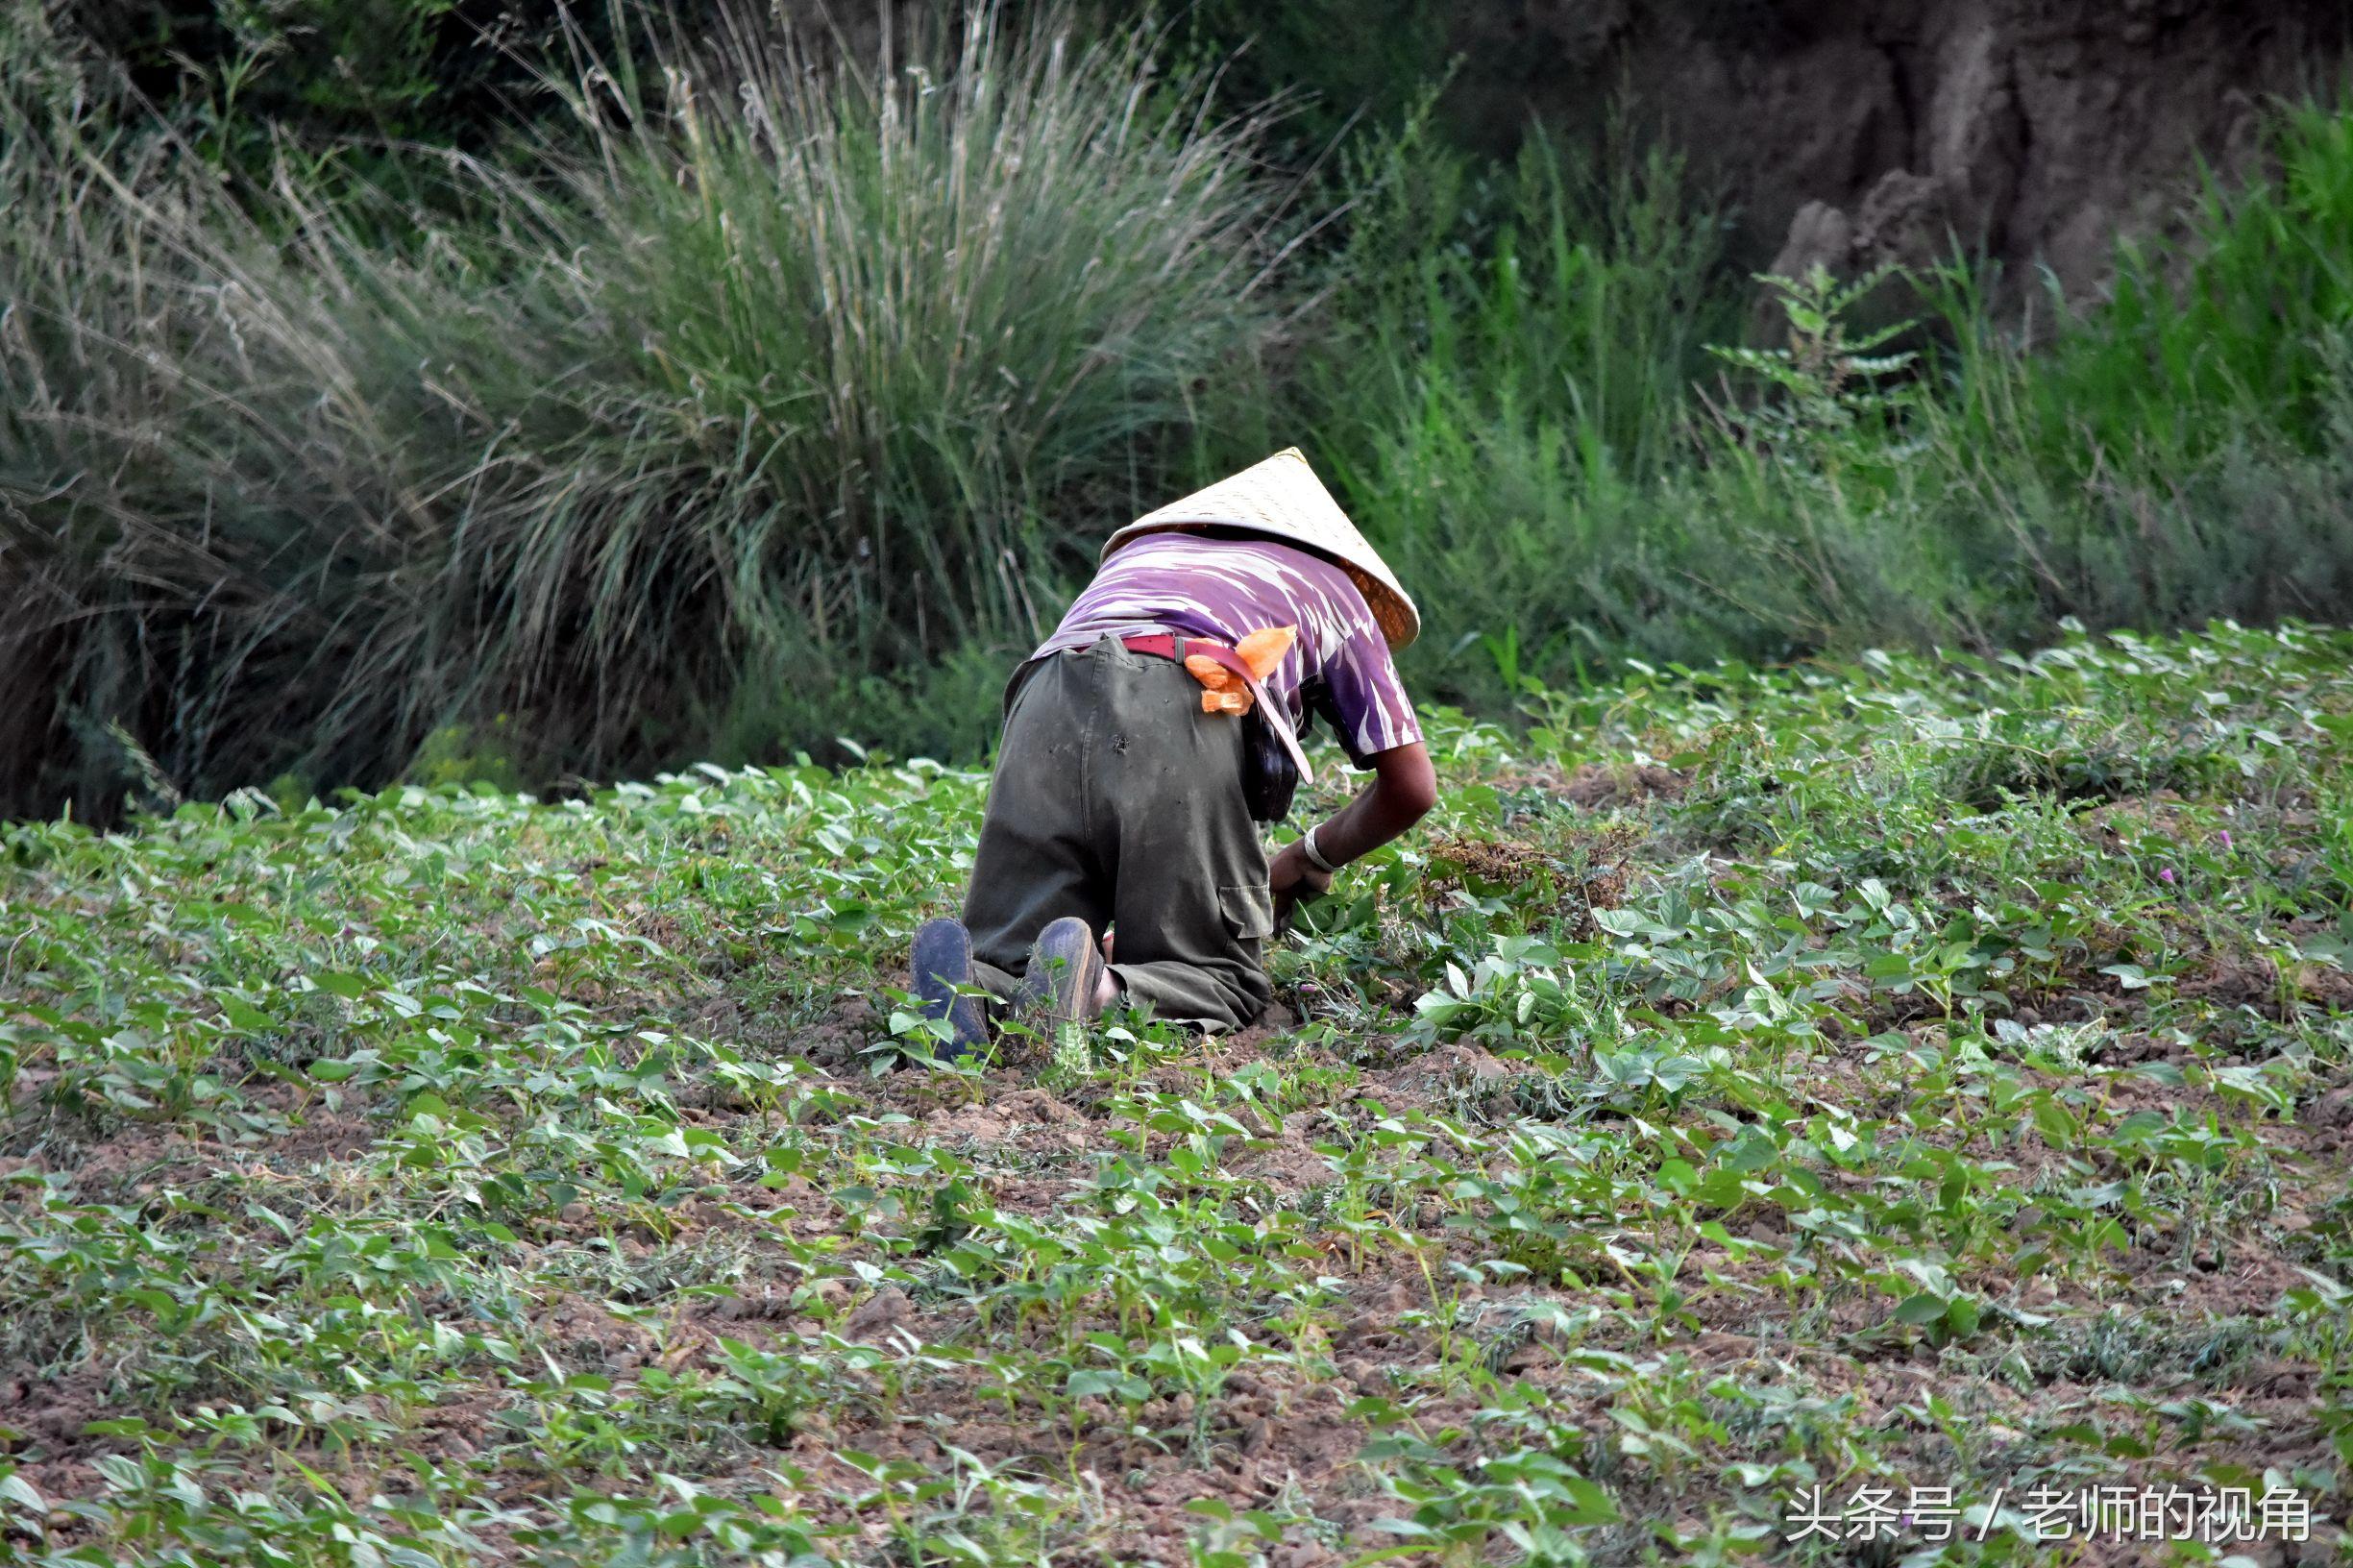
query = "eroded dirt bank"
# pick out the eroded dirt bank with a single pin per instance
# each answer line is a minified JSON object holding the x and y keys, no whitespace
{"x":1866,"y":129}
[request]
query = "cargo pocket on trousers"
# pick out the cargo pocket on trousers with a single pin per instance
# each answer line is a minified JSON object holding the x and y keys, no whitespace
{"x":1249,"y":910}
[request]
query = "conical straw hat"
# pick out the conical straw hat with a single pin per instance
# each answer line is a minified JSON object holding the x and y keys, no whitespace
{"x":1283,"y":499}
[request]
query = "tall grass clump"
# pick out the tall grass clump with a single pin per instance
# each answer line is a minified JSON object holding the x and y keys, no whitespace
{"x":771,"y":370}
{"x":2228,"y":332}
{"x":1513,"y":374}
{"x":2182,"y":448}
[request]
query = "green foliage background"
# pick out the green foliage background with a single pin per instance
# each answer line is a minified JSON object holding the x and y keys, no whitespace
{"x":556,"y":394}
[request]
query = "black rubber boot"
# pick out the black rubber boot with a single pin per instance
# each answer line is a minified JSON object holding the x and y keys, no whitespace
{"x":943,"y":962}
{"x":1066,"y":972}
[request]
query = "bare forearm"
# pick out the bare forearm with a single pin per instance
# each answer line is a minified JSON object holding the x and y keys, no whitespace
{"x":1358,"y":828}
{"x":1403,"y":789}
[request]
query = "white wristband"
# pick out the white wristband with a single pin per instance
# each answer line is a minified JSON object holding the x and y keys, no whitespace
{"x":1315,"y":855}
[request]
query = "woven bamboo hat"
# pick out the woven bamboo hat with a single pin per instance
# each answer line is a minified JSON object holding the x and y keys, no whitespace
{"x":1283,"y":499}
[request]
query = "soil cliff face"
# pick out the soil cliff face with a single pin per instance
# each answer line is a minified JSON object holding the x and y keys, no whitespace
{"x":1856,"y":131}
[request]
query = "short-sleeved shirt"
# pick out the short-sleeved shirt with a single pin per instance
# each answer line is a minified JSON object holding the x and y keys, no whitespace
{"x":1226,"y":588}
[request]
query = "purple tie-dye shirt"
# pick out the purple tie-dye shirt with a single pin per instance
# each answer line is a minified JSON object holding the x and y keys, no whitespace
{"x":1228,"y":588}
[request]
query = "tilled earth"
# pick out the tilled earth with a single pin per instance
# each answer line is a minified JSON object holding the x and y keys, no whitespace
{"x":1741,"y":1135}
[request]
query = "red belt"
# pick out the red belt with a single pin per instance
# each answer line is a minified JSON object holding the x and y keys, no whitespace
{"x":1162,"y":645}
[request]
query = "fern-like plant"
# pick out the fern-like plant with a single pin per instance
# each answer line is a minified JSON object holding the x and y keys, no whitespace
{"x":1833,"y":397}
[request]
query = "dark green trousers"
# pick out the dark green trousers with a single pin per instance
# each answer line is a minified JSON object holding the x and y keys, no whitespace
{"x":1116,"y":800}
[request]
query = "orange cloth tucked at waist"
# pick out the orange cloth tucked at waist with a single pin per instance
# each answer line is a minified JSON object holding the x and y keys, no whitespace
{"x":1225,"y":674}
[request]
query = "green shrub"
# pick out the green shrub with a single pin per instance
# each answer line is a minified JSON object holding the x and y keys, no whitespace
{"x":2177,"y":452}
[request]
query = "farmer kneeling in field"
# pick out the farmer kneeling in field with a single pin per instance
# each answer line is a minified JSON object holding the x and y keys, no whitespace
{"x":1147,"y":738}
